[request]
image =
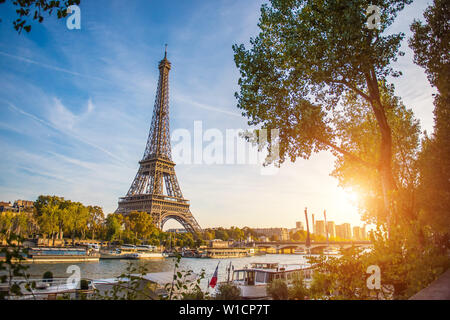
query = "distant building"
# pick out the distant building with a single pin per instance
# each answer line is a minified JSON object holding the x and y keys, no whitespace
{"x":331,"y":228}
{"x":19,"y":205}
{"x":23,"y":204}
{"x":280,"y":233}
{"x":320,"y":228}
{"x":344,"y":231}
{"x":299,"y":226}
{"x":217,"y":243}
{"x":180,"y":230}
{"x":359,"y":233}
{"x":5,"y":206}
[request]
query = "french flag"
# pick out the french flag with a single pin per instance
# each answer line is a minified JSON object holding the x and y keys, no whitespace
{"x":213,"y":281}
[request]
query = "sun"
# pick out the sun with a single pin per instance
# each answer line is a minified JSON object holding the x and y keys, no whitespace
{"x":346,"y":201}
{"x":351,"y":196}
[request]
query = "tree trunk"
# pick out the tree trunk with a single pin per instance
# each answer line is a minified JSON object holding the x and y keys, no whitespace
{"x":385,"y":162}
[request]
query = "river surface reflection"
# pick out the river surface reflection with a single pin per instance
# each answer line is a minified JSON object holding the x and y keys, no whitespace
{"x":114,"y":267}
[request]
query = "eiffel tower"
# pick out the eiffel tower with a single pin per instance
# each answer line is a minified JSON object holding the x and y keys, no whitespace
{"x":146,"y":193}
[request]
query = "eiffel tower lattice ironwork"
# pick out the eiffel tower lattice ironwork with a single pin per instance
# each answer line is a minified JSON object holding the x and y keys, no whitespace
{"x":156,"y":169}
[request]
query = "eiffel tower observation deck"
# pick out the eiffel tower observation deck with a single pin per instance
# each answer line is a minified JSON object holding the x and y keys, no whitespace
{"x":155,"y":188}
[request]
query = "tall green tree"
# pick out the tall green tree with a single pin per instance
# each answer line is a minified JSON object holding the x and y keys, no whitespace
{"x":357,"y":128}
{"x":95,"y":220}
{"x":431,"y":45}
{"x":48,"y":220}
{"x":113,"y":226}
{"x":307,"y":56}
{"x":78,"y":216}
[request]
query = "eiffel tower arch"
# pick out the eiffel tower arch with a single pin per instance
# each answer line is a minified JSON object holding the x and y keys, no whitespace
{"x":155,"y":188}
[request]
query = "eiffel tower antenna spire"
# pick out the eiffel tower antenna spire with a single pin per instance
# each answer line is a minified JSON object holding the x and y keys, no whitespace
{"x":155,"y":188}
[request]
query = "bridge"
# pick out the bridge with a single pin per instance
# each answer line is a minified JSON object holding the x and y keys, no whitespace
{"x":291,"y":246}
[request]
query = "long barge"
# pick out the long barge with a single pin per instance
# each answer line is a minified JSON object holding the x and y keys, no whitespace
{"x":45,"y":255}
{"x":225,"y":253}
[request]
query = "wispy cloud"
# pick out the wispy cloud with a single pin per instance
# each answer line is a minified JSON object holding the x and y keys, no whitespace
{"x":67,"y":132}
{"x":47,"y":66}
{"x":191,"y":102}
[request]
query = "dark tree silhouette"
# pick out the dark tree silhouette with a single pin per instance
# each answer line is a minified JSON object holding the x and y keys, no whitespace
{"x":28,"y":10}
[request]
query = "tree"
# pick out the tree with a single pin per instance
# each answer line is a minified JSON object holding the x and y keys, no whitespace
{"x":358,"y":129}
{"x":95,"y":220}
{"x":306,"y":57}
{"x":299,"y":235}
{"x":35,"y":9}
{"x":6,"y":224}
{"x":222,"y":234}
{"x":342,"y":278}
{"x":139,"y":226}
{"x":298,"y":290}
{"x":431,"y":45}
{"x":78,"y":215}
{"x":113,"y":226}
{"x":48,"y":213}
{"x":236,"y":233}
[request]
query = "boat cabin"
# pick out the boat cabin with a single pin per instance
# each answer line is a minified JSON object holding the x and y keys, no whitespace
{"x":264,"y":273}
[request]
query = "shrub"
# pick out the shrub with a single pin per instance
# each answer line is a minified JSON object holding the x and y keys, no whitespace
{"x":278,"y":290}
{"x":298,"y":291}
{"x":228,"y":291}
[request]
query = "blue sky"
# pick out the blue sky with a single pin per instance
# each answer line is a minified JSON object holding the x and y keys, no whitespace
{"x":76,"y":105}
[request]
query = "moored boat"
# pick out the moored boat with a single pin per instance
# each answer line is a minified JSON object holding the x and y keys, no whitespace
{"x":48,"y":254}
{"x":253,"y":280}
{"x":49,"y":289}
{"x":300,"y":251}
{"x":147,"y":252}
{"x":331,"y":251}
{"x":115,"y":254}
{"x":147,"y":255}
{"x":226,"y":253}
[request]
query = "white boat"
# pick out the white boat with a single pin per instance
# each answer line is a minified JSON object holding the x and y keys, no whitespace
{"x":50,"y":289}
{"x":253,"y":280}
{"x":115,"y":254}
{"x":147,"y":252}
{"x":147,"y":255}
{"x":151,"y":285}
{"x":331,"y":251}
{"x":300,"y":251}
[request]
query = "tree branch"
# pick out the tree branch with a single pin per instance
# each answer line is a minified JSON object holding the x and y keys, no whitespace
{"x":347,"y":154}
{"x":352,"y":87}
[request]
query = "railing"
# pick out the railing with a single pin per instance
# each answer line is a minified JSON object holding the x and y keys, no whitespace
{"x":45,"y":288}
{"x":152,"y":197}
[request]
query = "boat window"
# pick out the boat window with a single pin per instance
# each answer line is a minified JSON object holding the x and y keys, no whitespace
{"x":238,"y":275}
{"x":260,"y":276}
{"x":250,"y":278}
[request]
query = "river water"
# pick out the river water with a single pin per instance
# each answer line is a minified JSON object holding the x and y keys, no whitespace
{"x":112,"y":268}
